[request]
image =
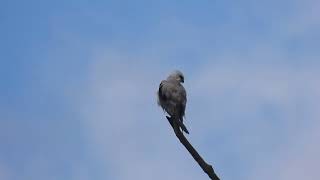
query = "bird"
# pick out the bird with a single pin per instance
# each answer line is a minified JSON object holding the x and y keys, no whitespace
{"x":172,"y":97}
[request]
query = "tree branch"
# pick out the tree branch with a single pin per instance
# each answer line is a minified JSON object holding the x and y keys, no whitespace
{"x":207,"y":168}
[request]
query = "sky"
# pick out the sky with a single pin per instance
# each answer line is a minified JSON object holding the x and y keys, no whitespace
{"x":78,"y":82}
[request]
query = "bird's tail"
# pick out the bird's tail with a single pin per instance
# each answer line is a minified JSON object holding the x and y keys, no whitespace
{"x":182,"y":126}
{"x":179,"y":122}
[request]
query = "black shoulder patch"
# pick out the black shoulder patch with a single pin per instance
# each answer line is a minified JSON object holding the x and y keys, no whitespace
{"x":162,"y":96}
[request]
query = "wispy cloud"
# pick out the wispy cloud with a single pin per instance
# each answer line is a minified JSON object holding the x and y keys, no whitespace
{"x":248,"y":111}
{"x":85,"y":108}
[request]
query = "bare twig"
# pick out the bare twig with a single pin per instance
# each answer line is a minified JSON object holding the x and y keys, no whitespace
{"x":207,"y":168}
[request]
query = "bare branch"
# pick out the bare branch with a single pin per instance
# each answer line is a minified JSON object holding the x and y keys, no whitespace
{"x":207,"y":168}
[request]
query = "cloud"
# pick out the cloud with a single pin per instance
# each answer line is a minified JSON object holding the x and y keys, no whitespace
{"x":266,"y":115}
{"x":129,"y":133}
{"x":252,"y":99}
{"x":242,"y":115}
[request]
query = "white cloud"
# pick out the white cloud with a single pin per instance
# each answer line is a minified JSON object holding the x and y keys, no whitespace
{"x":268,"y":114}
{"x":248,"y":108}
{"x":129,"y":132}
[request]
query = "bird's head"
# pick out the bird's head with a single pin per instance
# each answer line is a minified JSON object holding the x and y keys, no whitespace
{"x":176,"y":75}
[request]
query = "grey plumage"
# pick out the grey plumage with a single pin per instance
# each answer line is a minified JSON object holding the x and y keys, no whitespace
{"x":172,"y":97}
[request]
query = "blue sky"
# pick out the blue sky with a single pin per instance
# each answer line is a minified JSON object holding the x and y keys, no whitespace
{"x":79,"y":81}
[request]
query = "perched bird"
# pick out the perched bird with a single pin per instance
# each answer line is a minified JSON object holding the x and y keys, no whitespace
{"x":172,"y":97}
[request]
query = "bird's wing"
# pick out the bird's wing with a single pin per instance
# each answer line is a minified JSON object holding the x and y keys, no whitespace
{"x":162,"y":94}
{"x":168,"y":91}
{"x":173,"y":94}
{"x":172,"y":98}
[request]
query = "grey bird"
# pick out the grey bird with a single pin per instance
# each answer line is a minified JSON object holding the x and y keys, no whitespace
{"x":172,"y":97}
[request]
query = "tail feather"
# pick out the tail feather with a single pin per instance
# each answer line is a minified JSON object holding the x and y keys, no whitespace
{"x":183,"y":127}
{"x":180,"y":124}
